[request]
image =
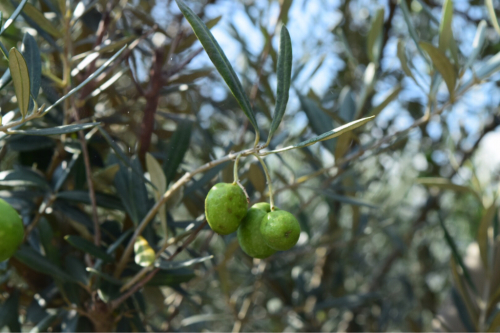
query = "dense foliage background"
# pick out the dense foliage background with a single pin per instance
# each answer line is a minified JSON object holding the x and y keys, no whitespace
{"x":399,"y":217}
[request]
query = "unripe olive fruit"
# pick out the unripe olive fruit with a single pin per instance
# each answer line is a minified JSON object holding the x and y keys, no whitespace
{"x":225,"y":206}
{"x":280,"y":229}
{"x":249,"y":236}
{"x":265,"y":206}
{"x":11,"y":231}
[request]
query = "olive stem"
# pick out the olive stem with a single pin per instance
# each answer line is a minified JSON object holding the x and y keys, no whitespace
{"x":269,"y":183}
{"x":235,"y":172}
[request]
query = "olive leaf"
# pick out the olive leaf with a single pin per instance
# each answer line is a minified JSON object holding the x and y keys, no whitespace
{"x":88,"y":247}
{"x":442,"y":65}
{"x":446,"y":40}
{"x":493,"y":15}
{"x":284,"y":78}
{"x":31,"y":54}
{"x":14,"y":15}
{"x":87,"y":80}
{"x":374,"y":38}
{"x":57,"y":130}
{"x":326,"y":136}
{"x":478,"y":43}
{"x":456,"y":255}
{"x":21,"y":79}
{"x":144,"y":253}
{"x":177,"y":148}
{"x":38,"y":17}
{"x":403,"y":60}
{"x":158,"y":178}
{"x":411,"y":28}
{"x":220,"y":62}
{"x":171,"y":265}
{"x":389,"y":97}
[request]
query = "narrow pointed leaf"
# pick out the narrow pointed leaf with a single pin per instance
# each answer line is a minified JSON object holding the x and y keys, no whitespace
{"x":88,"y":247}
{"x":39,"y":263}
{"x":284,"y":79}
{"x":177,"y":148}
{"x":14,"y":15}
{"x":58,"y":130}
{"x":5,"y":79}
{"x":446,"y":184}
{"x":484,"y":233}
{"x":403,"y":60}
{"x":103,"y":199}
{"x":492,"y":15}
{"x":90,"y":78}
{"x":158,"y":178}
{"x":219,"y":60}
{"x":391,"y":95}
{"x":411,"y":28}
{"x":477,"y":44}
{"x":336,"y":132}
{"x":38,"y":17}
{"x":171,"y":265}
{"x":445,"y":32}
{"x":326,"y":136}
{"x":374,"y":38}
{"x":442,"y":65}
{"x":457,"y":256}
{"x":21,"y":79}
{"x":189,"y":40}
{"x":31,"y":54}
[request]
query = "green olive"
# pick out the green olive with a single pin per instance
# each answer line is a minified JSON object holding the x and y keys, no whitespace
{"x":249,"y":236}
{"x":11,"y":231}
{"x":265,"y":206}
{"x":280,"y":229}
{"x":225,"y":206}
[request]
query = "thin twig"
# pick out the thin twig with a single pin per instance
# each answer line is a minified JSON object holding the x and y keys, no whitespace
{"x":131,"y":291}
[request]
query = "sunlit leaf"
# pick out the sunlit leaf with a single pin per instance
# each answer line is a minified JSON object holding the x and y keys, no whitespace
{"x":38,"y":17}
{"x":403,"y":60}
{"x":477,"y":44}
{"x":446,"y":40}
{"x":492,"y":15}
{"x":87,"y":80}
{"x":21,"y":79}
{"x":335,"y":132}
{"x":442,"y":65}
{"x":23,"y":177}
{"x":284,"y":74}
{"x":144,"y":253}
{"x":328,"y":135}
{"x":220,"y":61}
{"x":14,"y":15}
{"x":171,"y":265}
{"x":158,"y":178}
{"x":374,"y":38}
{"x":389,"y":97}
{"x":58,"y":130}
{"x":485,"y":233}
{"x":5,"y":79}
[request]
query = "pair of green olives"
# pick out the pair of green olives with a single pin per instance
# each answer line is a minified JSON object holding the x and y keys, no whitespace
{"x":261,"y":232}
